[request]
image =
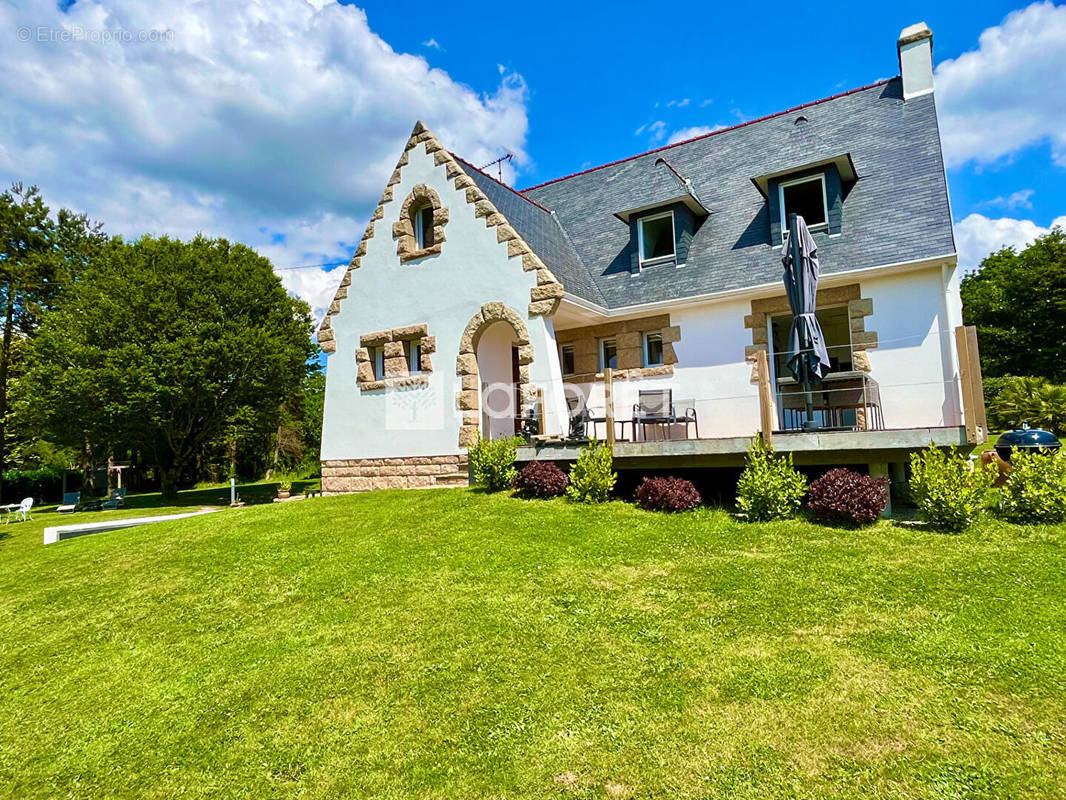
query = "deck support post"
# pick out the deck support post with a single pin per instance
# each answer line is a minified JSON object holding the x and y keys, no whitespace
{"x":766,"y":399}
{"x":971,"y":384}
{"x":608,"y":404}
{"x":898,"y":476}
{"x":881,"y":471}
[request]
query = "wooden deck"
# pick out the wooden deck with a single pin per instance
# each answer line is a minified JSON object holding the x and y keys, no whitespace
{"x":814,"y":448}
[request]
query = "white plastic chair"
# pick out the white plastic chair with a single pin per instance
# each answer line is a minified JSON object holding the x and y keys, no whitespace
{"x":23,"y":512}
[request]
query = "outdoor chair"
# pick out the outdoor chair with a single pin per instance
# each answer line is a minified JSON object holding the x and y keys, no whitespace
{"x":23,"y":512}
{"x":855,"y":396}
{"x":530,"y":424}
{"x":70,"y":502}
{"x":579,"y":418}
{"x":116,"y":500}
{"x":656,"y":407}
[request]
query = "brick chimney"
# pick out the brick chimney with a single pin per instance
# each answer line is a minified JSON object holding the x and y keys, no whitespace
{"x":916,"y":60}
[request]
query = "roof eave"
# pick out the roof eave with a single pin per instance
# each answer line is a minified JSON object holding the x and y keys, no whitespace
{"x":694,"y":205}
{"x":843,"y":163}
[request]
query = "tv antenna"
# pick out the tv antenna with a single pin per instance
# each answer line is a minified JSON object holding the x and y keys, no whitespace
{"x":498,"y":163}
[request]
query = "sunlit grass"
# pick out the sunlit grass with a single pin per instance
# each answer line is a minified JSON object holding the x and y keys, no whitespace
{"x":449,"y":644}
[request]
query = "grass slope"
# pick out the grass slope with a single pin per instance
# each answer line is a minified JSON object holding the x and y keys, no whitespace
{"x":448,"y":644}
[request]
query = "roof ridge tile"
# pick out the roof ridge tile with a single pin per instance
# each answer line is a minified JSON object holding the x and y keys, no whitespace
{"x":702,"y":136}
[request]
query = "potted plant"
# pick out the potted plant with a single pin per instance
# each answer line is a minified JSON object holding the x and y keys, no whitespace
{"x":284,"y":488}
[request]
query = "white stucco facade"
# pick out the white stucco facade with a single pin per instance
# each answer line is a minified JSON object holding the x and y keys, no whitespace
{"x":914,"y":315}
{"x":443,"y":291}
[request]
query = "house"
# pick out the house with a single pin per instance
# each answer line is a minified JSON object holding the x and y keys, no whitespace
{"x":469,"y":304}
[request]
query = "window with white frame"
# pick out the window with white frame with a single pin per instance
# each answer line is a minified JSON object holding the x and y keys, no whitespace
{"x":655,"y":237}
{"x":422,"y":220}
{"x":412,"y":351}
{"x":608,"y":354}
{"x":377,"y":358}
{"x":566,"y":359}
{"x":653,"y":350}
{"x":805,"y":197}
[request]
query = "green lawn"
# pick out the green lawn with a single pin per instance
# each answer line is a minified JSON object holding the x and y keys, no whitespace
{"x":448,"y":644}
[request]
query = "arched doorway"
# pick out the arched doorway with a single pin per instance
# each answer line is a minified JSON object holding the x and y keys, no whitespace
{"x":493,"y":369}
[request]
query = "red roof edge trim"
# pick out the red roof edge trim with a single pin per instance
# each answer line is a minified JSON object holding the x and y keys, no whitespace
{"x":467,"y":164}
{"x":706,"y":135}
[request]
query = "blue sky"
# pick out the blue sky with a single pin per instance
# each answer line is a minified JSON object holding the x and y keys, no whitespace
{"x":278,"y":124}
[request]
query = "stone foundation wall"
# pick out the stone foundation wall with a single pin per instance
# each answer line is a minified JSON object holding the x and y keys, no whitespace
{"x":412,"y":472}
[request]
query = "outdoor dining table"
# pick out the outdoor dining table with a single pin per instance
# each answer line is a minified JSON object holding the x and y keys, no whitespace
{"x":603,"y":420}
{"x":851,"y":390}
{"x":10,"y":509}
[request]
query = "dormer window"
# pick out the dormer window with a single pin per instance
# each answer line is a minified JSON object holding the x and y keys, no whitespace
{"x":805,"y":197}
{"x":656,"y":237}
{"x":422,"y":222}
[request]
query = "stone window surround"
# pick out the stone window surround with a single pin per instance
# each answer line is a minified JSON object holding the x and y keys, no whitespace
{"x":403,"y":230}
{"x":396,"y":372}
{"x":468,"y":396}
{"x":849,"y":295}
{"x":629,"y":337}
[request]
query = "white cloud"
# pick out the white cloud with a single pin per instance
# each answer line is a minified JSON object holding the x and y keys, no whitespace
{"x":691,"y":133}
{"x":1015,"y":200}
{"x":316,"y":286}
{"x":276,"y":124}
{"x":1008,"y":93}
{"x":432,"y":43}
{"x":657,"y":130}
{"x":976,"y":236}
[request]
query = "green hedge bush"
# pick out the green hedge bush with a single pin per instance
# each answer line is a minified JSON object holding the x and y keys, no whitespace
{"x":1035,"y":490}
{"x":44,"y":484}
{"x":492,"y":462}
{"x":1018,"y":400}
{"x":769,"y":487}
{"x":592,"y":477}
{"x":948,"y":489}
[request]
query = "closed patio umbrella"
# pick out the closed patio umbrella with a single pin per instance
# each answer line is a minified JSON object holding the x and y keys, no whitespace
{"x":808,"y":360}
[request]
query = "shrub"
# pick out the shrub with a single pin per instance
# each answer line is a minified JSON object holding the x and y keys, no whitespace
{"x":42,"y":484}
{"x":948,"y":490}
{"x":993,"y":387}
{"x":769,"y":487}
{"x":591,"y":477}
{"x":842,"y":494}
{"x":492,"y":462}
{"x":541,"y":479}
{"x":1027,"y":400}
{"x":1035,"y":490}
{"x":667,"y":494}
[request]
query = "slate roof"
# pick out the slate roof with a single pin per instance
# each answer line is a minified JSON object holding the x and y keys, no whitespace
{"x":541,"y":230}
{"x":897,"y":210}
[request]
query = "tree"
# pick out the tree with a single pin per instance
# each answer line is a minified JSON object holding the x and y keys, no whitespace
{"x":1031,"y":401}
{"x":39,"y":255}
{"x":160,"y":343}
{"x":1018,"y":303}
